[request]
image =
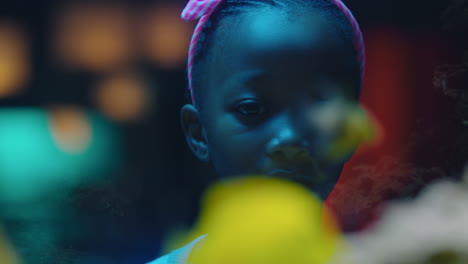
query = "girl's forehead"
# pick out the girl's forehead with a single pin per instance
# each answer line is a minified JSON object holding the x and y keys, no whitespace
{"x":278,"y":43}
{"x":276,"y":31}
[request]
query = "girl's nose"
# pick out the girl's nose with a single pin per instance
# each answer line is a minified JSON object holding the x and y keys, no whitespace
{"x":289,"y":144}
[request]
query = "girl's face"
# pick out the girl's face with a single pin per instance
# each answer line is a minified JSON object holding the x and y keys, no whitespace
{"x":271,"y":99}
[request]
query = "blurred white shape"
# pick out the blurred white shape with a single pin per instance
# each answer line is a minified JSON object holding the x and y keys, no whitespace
{"x":14,"y":59}
{"x":433,"y":227}
{"x":328,"y":116}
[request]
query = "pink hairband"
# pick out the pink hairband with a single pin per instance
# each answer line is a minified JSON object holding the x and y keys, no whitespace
{"x":202,"y":9}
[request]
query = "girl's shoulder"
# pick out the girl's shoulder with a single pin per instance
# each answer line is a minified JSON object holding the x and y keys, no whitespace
{"x":178,"y":256}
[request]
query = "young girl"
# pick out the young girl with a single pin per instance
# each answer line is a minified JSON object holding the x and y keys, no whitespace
{"x":270,"y":83}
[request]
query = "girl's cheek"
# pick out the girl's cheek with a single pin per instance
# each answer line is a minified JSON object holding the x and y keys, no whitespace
{"x":231,"y":125}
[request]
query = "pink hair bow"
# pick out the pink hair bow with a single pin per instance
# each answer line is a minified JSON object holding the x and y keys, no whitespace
{"x":197,"y":9}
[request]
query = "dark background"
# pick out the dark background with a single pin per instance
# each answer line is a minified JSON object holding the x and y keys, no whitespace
{"x":156,"y":185}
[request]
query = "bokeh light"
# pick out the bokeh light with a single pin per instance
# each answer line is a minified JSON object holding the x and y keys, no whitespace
{"x":36,"y":163}
{"x":70,"y":129}
{"x":165,"y":35}
{"x":14,"y":59}
{"x":123,"y":97}
{"x":94,"y":36}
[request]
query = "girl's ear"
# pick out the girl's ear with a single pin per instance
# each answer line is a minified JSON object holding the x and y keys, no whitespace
{"x":194,"y":131}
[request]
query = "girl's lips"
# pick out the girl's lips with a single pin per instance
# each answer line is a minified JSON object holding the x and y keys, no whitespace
{"x":295,"y":175}
{"x":279,"y":172}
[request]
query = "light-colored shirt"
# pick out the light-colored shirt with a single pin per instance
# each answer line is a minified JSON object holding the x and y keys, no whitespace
{"x":178,"y":256}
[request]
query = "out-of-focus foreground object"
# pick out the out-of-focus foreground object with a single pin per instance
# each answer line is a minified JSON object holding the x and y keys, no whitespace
{"x":262,"y":220}
{"x":7,"y":255}
{"x":358,"y":127}
{"x":429,"y":230}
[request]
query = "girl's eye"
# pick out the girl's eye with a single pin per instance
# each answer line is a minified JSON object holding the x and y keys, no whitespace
{"x":250,"y":107}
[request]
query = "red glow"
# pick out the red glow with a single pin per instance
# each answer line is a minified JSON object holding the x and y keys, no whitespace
{"x":372,"y":173}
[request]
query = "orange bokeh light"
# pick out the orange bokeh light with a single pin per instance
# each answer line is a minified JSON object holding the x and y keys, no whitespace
{"x":165,"y":36}
{"x":94,"y":37}
{"x":14,"y":59}
{"x":123,"y":97}
{"x":71,"y":129}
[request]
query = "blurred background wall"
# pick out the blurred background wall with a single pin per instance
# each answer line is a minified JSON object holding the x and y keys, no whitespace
{"x":93,"y":164}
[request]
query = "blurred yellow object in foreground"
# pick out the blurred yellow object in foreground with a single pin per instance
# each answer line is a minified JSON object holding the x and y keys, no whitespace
{"x":7,"y":255}
{"x":260,"y":220}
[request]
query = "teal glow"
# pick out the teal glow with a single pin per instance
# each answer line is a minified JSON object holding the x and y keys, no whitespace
{"x":33,"y":167}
